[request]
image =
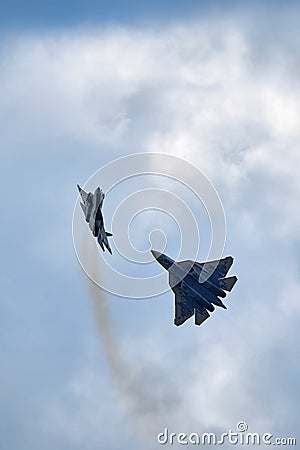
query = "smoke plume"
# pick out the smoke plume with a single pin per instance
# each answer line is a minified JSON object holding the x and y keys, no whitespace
{"x":146,"y":400}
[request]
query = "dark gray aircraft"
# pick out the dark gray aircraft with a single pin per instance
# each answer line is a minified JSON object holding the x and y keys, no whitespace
{"x":91,"y":207}
{"x":197,"y":286}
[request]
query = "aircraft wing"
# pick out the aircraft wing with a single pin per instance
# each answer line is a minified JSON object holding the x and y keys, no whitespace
{"x":99,"y":197}
{"x":102,"y":195}
{"x":83,"y":194}
{"x":220,"y":267}
{"x":183,"y":310}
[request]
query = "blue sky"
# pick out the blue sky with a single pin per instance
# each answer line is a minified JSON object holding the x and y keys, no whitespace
{"x":61,"y":14}
{"x":213,"y":85}
{"x":47,"y":15}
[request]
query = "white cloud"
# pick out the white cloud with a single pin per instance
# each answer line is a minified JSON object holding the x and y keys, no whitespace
{"x":79,"y":419}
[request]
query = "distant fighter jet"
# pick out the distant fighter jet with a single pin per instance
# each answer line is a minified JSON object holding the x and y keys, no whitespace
{"x":91,"y":206}
{"x":197,"y":286}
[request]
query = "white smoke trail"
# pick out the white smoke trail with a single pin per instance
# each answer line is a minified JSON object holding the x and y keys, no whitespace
{"x":147,"y":402}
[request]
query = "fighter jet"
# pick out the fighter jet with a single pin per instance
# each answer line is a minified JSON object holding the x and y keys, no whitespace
{"x":197,"y":286}
{"x":91,"y":207}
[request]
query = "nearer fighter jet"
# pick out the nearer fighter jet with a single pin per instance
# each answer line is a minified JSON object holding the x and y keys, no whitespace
{"x":91,"y":206}
{"x":197,"y":286}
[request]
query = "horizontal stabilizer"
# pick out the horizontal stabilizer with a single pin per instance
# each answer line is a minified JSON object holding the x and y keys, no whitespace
{"x":201,"y":316}
{"x":108,"y":234}
{"x":228,"y":283}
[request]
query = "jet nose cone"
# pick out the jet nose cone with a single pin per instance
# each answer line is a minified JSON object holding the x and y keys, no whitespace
{"x":164,"y":260}
{"x":155,"y":254}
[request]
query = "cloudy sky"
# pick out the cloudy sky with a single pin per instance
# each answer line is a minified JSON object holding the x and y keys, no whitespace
{"x":85,"y":83}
